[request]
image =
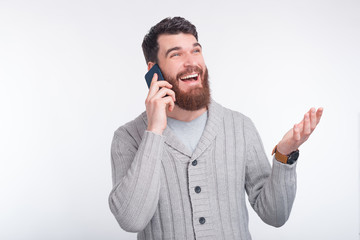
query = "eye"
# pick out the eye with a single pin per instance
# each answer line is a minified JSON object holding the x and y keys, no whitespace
{"x":197,"y":50}
{"x":175,"y":55}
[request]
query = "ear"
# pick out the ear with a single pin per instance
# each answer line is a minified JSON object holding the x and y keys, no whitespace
{"x":150,"y":65}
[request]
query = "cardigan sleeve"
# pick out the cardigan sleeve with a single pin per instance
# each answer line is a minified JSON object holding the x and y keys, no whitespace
{"x":136,"y":179}
{"x":271,"y":191}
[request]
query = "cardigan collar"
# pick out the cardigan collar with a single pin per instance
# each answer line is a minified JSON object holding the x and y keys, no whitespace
{"x":214,"y":121}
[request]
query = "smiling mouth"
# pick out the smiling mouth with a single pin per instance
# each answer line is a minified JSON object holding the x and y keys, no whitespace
{"x":191,"y":77}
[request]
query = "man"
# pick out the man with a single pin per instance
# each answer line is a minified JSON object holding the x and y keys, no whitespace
{"x":181,"y":169}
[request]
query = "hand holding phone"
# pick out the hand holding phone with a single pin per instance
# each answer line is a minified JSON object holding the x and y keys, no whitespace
{"x":160,"y":98}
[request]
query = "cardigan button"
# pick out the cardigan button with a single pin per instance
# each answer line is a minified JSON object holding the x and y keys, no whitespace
{"x":202,"y":220}
{"x":197,"y":189}
{"x":194,"y":163}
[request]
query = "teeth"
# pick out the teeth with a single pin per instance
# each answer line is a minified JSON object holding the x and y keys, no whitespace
{"x":189,"y":76}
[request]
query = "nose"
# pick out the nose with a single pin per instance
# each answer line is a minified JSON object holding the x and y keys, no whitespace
{"x":190,"y":60}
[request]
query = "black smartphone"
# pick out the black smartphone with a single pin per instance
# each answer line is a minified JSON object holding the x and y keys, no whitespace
{"x":149,"y":75}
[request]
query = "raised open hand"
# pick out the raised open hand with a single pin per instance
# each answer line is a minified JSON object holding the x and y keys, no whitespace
{"x":300,"y":132}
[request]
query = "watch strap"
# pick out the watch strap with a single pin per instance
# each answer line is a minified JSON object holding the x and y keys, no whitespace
{"x":280,"y":157}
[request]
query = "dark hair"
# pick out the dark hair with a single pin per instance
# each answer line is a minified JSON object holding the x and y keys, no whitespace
{"x":168,"y":25}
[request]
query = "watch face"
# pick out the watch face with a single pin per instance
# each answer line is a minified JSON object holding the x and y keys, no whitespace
{"x":293,"y":157}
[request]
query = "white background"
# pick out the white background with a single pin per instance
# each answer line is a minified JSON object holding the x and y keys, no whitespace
{"x":72,"y":72}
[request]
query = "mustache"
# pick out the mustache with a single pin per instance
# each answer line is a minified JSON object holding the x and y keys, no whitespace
{"x":190,"y":70}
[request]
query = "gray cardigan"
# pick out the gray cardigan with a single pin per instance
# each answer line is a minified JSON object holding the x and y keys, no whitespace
{"x":163,"y":191}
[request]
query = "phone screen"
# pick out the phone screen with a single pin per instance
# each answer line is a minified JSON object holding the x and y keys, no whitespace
{"x":149,"y":75}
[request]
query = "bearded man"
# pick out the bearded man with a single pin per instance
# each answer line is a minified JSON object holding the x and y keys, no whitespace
{"x":181,"y":169}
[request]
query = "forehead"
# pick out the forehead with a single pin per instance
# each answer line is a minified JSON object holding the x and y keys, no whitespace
{"x":182,"y":40}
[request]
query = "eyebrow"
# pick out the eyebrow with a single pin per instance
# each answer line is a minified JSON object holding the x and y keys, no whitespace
{"x":178,"y":48}
{"x":197,"y":44}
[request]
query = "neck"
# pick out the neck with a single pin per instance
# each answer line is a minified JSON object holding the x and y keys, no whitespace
{"x":185,"y":115}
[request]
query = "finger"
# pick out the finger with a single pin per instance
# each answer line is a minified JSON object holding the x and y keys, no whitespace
{"x":170,"y":92}
{"x":159,"y":85}
{"x":163,"y":92}
{"x":296,"y":133}
{"x":306,"y":129}
{"x":169,"y":101}
{"x":154,"y":79}
{"x":319,"y":113}
{"x":171,"y":106}
{"x":300,"y":125}
{"x":156,"y":85}
{"x":152,"y":90}
{"x":163,"y":83}
{"x":313,"y":121}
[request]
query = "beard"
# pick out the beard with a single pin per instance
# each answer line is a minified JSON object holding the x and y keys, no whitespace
{"x":196,"y":98}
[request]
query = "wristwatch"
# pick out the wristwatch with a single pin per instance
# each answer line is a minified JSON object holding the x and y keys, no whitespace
{"x":286,"y":159}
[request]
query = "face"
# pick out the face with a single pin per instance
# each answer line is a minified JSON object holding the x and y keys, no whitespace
{"x":182,"y":64}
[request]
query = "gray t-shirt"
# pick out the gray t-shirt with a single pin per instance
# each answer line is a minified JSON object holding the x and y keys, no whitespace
{"x":189,"y":133}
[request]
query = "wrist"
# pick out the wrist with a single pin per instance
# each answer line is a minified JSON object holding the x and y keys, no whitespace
{"x":286,"y":159}
{"x":284,"y":149}
{"x":156,"y":131}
